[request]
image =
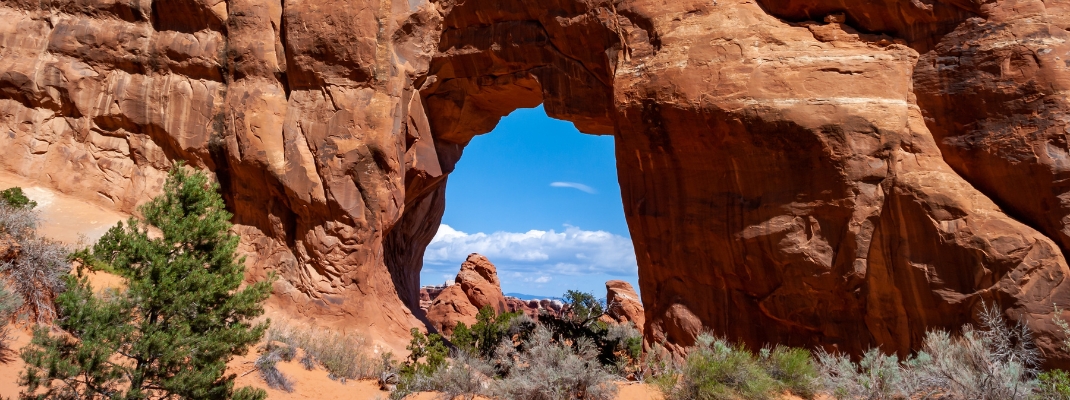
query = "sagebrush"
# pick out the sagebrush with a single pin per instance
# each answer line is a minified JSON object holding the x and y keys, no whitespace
{"x":993,"y":361}
{"x":548,"y":369}
{"x":35,"y":273}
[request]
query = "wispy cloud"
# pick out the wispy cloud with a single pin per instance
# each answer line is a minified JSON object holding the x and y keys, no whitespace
{"x":574,"y":185}
{"x":537,"y":254}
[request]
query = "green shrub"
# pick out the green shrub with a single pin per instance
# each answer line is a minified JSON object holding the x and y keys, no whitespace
{"x":793,"y":368}
{"x":716,"y":370}
{"x":582,"y":307}
{"x":463,"y":376}
{"x":422,"y":370}
{"x":1053,"y":385}
{"x":14,"y":197}
{"x":427,"y":353}
{"x":489,"y":330}
{"x":617,"y":345}
{"x":184,"y":313}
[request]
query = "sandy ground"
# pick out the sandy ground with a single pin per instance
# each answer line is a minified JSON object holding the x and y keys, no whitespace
{"x":316,"y":385}
{"x":9,"y":373}
{"x":63,"y":217}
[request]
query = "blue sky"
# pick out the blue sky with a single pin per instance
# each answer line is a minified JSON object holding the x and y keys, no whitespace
{"x":542,"y":202}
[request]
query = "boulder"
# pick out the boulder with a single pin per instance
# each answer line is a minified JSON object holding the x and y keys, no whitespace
{"x":450,"y":308}
{"x":478,"y":279}
{"x":623,"y":304}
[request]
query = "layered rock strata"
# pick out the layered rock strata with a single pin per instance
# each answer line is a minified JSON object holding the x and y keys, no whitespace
{"x":807,"y":172}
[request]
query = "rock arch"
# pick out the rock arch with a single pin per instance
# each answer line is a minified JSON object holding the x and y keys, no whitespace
{"x":780,"y":173}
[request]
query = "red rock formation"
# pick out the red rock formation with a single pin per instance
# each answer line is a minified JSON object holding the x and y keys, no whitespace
{"x":450,"y":308}
{"x":807,"y":172}
{"x":475,"y":287}
{"x":478,"y":279}
{"x":623,"y":304}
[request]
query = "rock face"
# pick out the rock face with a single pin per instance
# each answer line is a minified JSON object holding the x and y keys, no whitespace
{"x":623,"y":304}
{"x":475,"y":287}
{"x":808,"y":172}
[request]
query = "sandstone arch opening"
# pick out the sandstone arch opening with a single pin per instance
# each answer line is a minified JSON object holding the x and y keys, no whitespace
{"x":473,"y":81}
{"x":542,"y":202}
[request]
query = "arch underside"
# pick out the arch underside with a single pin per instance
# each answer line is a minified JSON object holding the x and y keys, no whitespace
{"x":794,"y":172}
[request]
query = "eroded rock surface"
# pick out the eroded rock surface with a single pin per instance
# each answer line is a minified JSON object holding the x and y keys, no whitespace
{"x":475,"y":287}
{"x":808,"y":172}
{"x":623,"y":304}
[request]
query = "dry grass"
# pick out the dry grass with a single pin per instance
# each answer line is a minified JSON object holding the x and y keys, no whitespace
{"x":274,"y":378}
{"x":344,"y":355}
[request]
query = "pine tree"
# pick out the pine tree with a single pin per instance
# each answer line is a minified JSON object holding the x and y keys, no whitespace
{"x":181,"y":317}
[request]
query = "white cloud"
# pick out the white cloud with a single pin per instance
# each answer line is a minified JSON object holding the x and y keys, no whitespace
{"x":574,"y":185}
{"x":537,"y":254}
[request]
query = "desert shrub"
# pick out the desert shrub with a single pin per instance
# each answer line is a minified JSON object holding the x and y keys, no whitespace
{"x":659,"y":368}
{"x":1064,"y":327}
{"x":266,"y":365}
{"x":582,"y":307}
{"x":9,"y":304}
{"x":308,"y":361}
{"x":616,"y":345}
{"x":547,"y":369}
{"x":715,"y":369}
{"x":344,"y":355}
{"x":974,"y":366}
{"x":627,"y":345}
{"x":793,"y":368}
{"x":875,"y":376}
{"x":427,"y":353}
{"x":1053,"y":385}
{"x":14,"y":197}
{"x":995,"y":361}
{"x":37,"y":276}
{"x":463,"y":376}
{"x":18,"y":222}
{"x":486,"y":333}
{"x":421,"y":370}
{"x":36,"y":273}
